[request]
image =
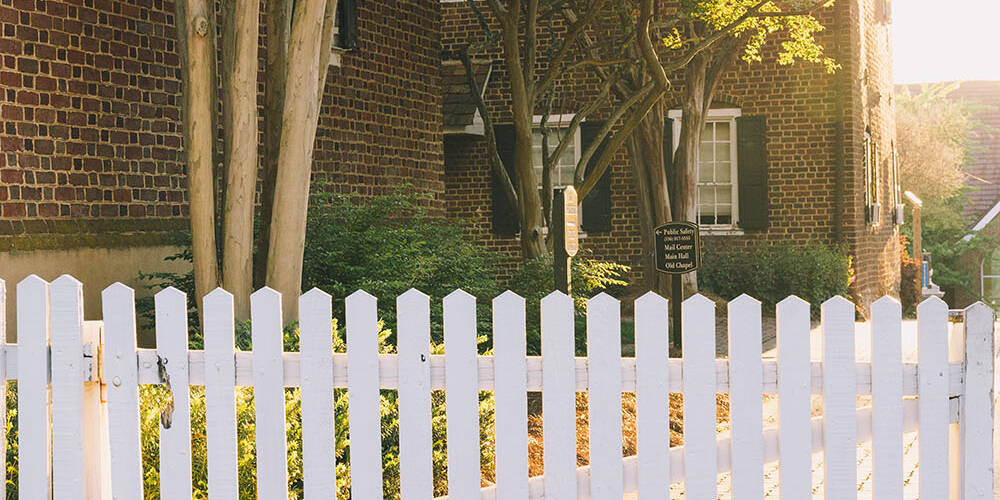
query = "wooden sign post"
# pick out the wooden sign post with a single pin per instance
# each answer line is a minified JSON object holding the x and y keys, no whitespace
{"x":678,"y":251}
{"x":566,"y":227}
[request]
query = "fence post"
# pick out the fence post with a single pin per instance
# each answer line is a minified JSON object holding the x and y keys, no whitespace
{"x":976,"y":423}
{"x":96,"y":445}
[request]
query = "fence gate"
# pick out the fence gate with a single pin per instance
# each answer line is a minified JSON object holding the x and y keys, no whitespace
{"x":79,"y":433}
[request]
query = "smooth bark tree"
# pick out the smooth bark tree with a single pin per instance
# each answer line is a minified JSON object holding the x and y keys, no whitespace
{"x":196,"y":34}
{"x":299,"y":36}
{"x":239,"y":128}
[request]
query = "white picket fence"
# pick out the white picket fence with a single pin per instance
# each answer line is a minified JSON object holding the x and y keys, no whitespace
{"x":91,"y":449}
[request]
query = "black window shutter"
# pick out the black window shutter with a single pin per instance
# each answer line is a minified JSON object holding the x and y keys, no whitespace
{"x":505,"y":220}
{"x":597,"y":205}
{"x":668,"y":146}
{"x":751,"y":151}
{"x":347,"y":23}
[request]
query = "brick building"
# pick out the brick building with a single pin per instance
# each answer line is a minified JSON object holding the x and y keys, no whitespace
{"x":92,"y":180}
{"x":829,"y":153}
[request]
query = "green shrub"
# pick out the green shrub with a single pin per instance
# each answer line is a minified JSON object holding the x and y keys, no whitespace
{"x":384,"y":245}
{"x":535,"y":279}
{"x":771,"y":272}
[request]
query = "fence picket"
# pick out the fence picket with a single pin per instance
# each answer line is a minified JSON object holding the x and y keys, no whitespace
{"x":887,"y":400}
{"x":120,"y":368}
{"x":978,"y":405}
{"x":558,"y":396}
{"x":932,"y":380}
{"x":794,"y":398}
{"x":269,"y":394}
{"x":416,"y":475}
{"x":462,"y":395}
{"x":34,"y":443}
{"x":319,"y":478}
{"x":700,"y":453}
{"x":509,"y":351}
{"x":745,"y":398}
{"x":840,"y":477}
{"x":175,"y":422}
{"x":220,"y":396}
{"x":604,"y":363}
{"x":364,"y":421}
{"x":66,"y":298}
{"x":652,"y":391}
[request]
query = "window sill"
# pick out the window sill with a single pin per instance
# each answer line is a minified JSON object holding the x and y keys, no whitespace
{"x":335,"y":54}
{"x":722,"y":231}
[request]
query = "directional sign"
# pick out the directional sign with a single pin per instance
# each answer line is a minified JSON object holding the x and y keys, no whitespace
{"x":678,"y":247}
{"x":572,"y":220}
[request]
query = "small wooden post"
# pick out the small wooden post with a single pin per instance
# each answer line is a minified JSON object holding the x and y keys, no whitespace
{"x":565,"y":235}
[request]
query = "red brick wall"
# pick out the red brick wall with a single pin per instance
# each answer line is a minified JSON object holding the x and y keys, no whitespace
{"x":92,"y":125}
{"x":801,"y":105}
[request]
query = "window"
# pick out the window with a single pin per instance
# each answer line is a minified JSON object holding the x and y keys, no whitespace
{"x":873,"y":206}
{"x":345,"y":30}
{"x":990,"y":272}
{"x":564,"y":169}
{"x":716,"y":199}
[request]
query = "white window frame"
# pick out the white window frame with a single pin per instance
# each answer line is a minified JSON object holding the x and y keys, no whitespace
{"x":718,"y":115}
{"x":982,"y":281}
{"x":561,"y":121}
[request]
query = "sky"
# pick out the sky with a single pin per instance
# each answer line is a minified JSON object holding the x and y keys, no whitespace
{"x":942,"y":40}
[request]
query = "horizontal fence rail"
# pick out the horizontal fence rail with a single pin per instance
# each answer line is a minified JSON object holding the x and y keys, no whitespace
{"x":79,"y":421}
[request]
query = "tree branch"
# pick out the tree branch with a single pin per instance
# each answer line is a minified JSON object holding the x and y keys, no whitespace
{"x":557,"y":61}
{"x":496,"y":164}
{"x":581,"y":166}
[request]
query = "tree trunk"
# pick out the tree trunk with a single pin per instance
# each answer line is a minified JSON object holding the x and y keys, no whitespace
{"x":196,"y":32}
{"x":530,"y":208}
{"x":298,"y":134}
{"x":279,"y":23}
{"x":239,"y":119}
{"x":646,"y":150}
{"x":694,"y":110}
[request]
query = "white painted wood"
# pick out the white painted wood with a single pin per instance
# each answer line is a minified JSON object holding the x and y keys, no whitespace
{"x":364,"y":420}
{"x":794,"y":390}
{"x":4,"y":360}
{"x":510,"y":351}
{"x":558,"y":396}
{"x":932,"y":342}
{"x":956,"y":353}
{"x":652,"y":387}
{"x":700,"y":452}
{"x":220,"y":396}
{"x":96,"y":438}
{"x":269,"y":394}
{"x":389,"y":376}
{"x":66,"y":320}
{"x":887,"y":400}
{"x":413,"y":340}
{"x":462,"y":395}
{"x":34,"y":441}
{"x":316,"y":346}
{"x":121,"y":373}
{"x":172,"y":349}
{"x":604,"y":353}
{"x":840,"y":478}
{"x":977,"y":404}
{"x":745,"y":398}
